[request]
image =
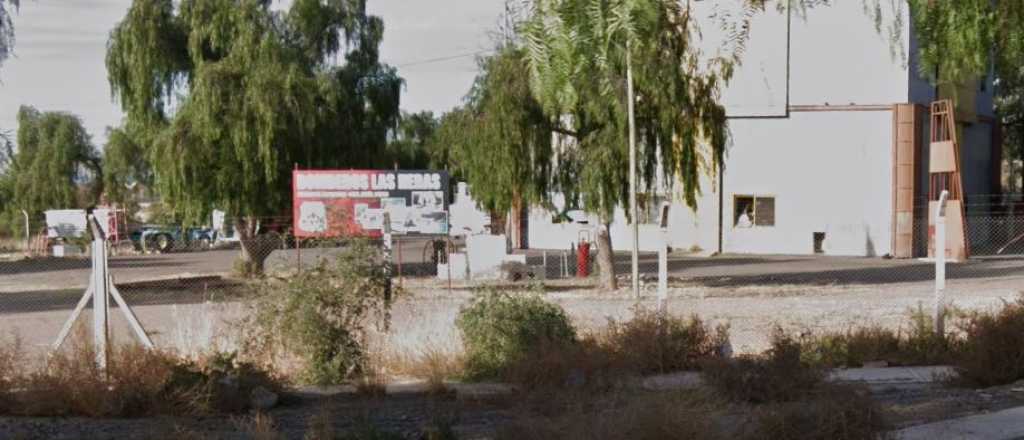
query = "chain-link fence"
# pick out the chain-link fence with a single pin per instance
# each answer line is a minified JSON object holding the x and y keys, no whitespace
{"x":188,"y":291}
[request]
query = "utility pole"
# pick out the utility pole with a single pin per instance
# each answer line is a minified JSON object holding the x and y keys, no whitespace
{"x":632,"y":172}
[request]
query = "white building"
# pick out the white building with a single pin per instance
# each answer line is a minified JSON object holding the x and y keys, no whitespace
{"x":817,"y":113}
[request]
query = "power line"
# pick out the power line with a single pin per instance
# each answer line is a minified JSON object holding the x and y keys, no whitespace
{"x":445,"y":58}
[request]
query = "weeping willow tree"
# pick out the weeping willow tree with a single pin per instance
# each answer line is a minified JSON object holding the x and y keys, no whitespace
{"x":500,"y":140}
{"x":6,"y":28}
{"x":125,"y":170}
{"x":577,"y":56}
{"x":55,"y":166}
{"x":961,"y":41}
{"x":226,"y":96}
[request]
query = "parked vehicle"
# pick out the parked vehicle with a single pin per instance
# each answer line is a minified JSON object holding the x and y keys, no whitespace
{"x":162,"y":239}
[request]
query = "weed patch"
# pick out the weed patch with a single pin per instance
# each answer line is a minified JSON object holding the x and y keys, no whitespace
{"x":991,"y":351}
{"x":779,"y":375}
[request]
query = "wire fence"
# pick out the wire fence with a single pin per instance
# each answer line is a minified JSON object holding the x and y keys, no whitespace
{"x":188,"y":290}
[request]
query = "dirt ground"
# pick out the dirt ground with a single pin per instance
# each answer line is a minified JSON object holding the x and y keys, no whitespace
{"x":471,"y":415}
{"x":751,"y":295}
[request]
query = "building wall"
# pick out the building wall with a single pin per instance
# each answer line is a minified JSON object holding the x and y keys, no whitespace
{"x":829,"y":172}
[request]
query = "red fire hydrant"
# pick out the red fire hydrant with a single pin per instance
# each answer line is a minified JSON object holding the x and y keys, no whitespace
{"x":583,"y":260}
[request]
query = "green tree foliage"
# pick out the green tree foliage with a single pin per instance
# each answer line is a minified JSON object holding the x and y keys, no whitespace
{"x":125,"y":169}
{"x":228,"y":95}
{"x":410,"y":148}
{"x":500,"y":140}
{"x":576,"y":52}
{"x":54,"y":167}
{"x":6,"y":28}
{"x":961,"y":41}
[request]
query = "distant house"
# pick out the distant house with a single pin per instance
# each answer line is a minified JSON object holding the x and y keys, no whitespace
{"x":816,"y":113}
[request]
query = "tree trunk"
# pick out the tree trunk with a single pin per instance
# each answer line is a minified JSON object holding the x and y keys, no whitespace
{"x":606,"y":258}
{"x":255,"y":248}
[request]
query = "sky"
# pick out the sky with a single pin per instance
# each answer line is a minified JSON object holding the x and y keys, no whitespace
{"x":58,"y":63}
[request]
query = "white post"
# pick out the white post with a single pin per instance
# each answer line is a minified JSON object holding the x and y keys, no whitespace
{"x":28,"y":239}
{"x":632,"y":173}
{"x":663,"y":272}
{"x":100,"y":294}
{"x":940,"y":264}
{"x":663,"y":261}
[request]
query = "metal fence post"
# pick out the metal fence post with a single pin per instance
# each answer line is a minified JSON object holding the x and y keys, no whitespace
{"x":99,"y":299}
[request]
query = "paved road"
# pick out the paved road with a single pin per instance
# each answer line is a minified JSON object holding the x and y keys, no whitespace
{"x":721,"y":271}
{"x":73,"y":273}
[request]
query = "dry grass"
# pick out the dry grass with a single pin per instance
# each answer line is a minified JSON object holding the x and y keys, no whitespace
{"x":433,"y":364}
{"x":650,"y":343}
{"x":654,"y":342}
{"x":918,"y":344}
{"x":320,"y":427}
{"x":11,"y":369}
{"x":832,"y":413}
{"x":261,"y":427}
{"x":137,"y":382}
{"x":779,"y":375}
{"x":624,"y":417}
{"x":991,"y":351}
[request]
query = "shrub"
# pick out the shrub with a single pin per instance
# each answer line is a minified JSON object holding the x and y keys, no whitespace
{"x":11,"y":369}
{"x":655,"y":342}
{"x":322,"y":315}
{"x":499,"y":329}
{"x":649,"y":343}
{"x":920,"y":345}
{"x":992,"y":349}
{"x":835,"y":413}
{"x":137,"y":382}
{"x":779,"y":375}
{"x":853,"y":348}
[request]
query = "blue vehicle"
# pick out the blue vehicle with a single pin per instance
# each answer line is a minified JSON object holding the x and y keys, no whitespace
{"x":162,"y":239}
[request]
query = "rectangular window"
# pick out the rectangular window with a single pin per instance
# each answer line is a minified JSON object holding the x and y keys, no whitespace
{"x":750,"y":211}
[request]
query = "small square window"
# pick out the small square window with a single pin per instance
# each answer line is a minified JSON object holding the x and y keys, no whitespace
{"x":750,"y":211}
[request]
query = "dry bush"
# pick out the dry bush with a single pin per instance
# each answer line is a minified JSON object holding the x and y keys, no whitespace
{"x":853,"y":348}
{"x":625,"y":417}
{"x":833,"y":413}
{"x":320,"y":426}
{"x":991,"y":351}
{"x":137,"y":382}
{"x":433,"y":364}
{"x":654,"y":342}
{"x":649,"y":343}
{"x":11,"y":371}
{"x":261,"y":427}
{"x":918,"y":345}
{"x":779,"y":375}
{"x":585,"y":364}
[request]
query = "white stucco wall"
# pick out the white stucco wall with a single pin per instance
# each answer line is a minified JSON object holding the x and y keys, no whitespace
{"x":829,"y":55}
{"x":829,"y":172}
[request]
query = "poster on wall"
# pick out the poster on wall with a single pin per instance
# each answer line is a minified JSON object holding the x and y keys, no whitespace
{"x":331,"y":203}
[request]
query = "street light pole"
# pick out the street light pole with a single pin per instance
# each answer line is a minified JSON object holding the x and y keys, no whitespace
{"x":632,"y":172}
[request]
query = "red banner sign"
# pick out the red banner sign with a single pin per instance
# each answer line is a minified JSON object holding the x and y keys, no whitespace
{"x":332,"y":203}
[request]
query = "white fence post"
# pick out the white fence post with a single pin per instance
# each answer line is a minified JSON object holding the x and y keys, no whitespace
{"x":939,"y":314}
{"x":101,"y":289}
{"x":100,"y":297}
